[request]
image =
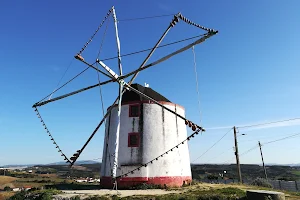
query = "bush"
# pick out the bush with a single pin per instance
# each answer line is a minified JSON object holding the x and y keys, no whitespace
{"x":261,"y":183}
{"x":7,"y":188}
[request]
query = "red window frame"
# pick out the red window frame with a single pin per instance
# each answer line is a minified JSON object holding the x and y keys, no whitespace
{"x":130,"y":107}
{"x":138,"y":139}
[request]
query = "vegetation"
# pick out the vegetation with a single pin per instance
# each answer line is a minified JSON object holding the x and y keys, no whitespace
{"x":250,"y":172}
{"x":35,"y":194}
{"x":261,"y":183}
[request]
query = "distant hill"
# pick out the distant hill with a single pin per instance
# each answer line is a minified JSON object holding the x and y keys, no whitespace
{"x":81,"y":162}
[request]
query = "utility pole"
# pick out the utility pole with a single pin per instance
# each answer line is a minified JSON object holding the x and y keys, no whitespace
{"x":237,"y":156}
{"x":262,"y":159}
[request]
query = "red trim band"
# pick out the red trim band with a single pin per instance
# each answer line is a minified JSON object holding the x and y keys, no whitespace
{"x":127,"y":182}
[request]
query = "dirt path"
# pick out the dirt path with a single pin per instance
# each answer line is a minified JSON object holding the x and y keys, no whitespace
{"x":121,"y":193}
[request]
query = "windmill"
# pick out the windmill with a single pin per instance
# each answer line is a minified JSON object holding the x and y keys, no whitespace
{"x":127,"y":86}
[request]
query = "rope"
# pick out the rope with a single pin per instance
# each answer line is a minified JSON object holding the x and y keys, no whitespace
{"x":101,"y":96}
{"x":150,"y":17}
{"x":50,"y":135}
{"x":180,"y":16}
{"x":92,"y":37}
{"x":197,"y":84}
{"x":62,"y":77}
{"x":136,"y":72}
{"x":144,"y":50}
{"x":103,"y":37}
{"x":168,"y":56}
{"x":160,"y":156}
{"x":129,"y":54}
{"x":65,"y":84}
{"x":70,"y":94}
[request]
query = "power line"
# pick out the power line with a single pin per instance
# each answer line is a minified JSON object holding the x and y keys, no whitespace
{"x":225,"y":151}
{"x":149,"y":17}
{"x":294,"y":135}
{"x":249,"y":150}
{"x":267,"y":123}
{"x":213,"y":145}
{"x":256,"y":146}
{"x":245,"y":152}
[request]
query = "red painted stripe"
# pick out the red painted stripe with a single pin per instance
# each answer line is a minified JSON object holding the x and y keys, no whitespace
{"x":169,"y":181}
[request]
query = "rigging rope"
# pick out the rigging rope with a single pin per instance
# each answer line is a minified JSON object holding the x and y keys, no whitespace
{"x":180,"y":16}
{"x":169,"y":55}
{"x":145,"y":50}
{"x":62,"y":77}
{"x":50,"y":135}
{"x":64,"y":84}
{"x":160,"y":156}
{"x":98,"y":75}
{"x":149,"y":17}
{"x":92,"y":37}
{"x":90,"y":87}
{"x":172,"y":24}
{"x":103,"y":37}
{"x":197,"y":84}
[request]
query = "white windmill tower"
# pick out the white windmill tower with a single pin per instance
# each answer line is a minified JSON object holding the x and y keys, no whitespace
{"x":158,"y":135}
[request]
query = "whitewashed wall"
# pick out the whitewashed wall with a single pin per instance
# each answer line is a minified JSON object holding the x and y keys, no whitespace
{"x":160,"y":130}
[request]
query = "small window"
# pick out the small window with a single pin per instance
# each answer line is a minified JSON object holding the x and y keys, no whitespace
{"x":133,"y":140}
{"x":134,"y":110}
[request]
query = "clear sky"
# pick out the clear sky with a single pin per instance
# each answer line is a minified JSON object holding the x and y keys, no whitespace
{"x":248,"y":74}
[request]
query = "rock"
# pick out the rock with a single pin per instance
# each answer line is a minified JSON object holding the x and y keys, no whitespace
{"x":264,"y":195}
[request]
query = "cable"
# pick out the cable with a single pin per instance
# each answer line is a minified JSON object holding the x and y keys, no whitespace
{"x":267,"y":123}
{"x":249,"y":150}
{"x":161,"y":155}
{"x":129,"y":54}
{"x":294,"y":135}
{"x":144,"y":50}
{"x":197,"y":84}
{"x":256,"y":146}
{"x":212,"y":145}
{"x":103,"y":37}
{"x":217,"y":128}
{"x":62,"y":77}
{"x":220,"y":154}
{"x":150,"y":17}
{"x":65,"y":84}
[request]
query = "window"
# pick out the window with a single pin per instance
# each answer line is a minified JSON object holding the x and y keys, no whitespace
{"x":134,"y":110}
{"x":133,"y":139}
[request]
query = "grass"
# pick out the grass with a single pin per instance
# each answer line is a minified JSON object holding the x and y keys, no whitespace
{"x":296,"y":172}
{"x":6,"y":179}
{"x":6,"y":195}
{"x":200,"y":191}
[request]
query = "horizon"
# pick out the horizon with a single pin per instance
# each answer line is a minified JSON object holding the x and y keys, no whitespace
{"x":247,"y":73}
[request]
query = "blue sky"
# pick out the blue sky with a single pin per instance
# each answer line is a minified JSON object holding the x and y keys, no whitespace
{"x":248,"y":73}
